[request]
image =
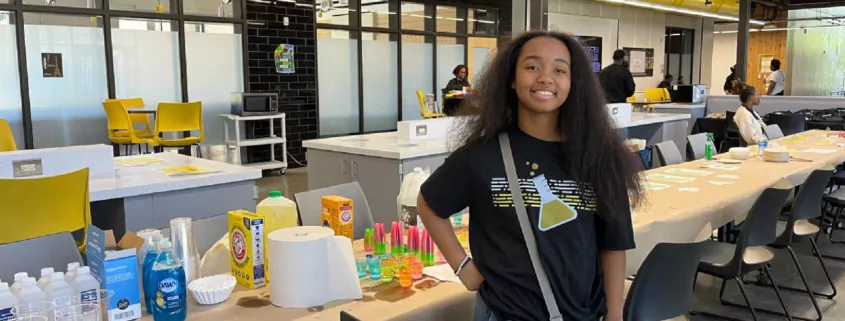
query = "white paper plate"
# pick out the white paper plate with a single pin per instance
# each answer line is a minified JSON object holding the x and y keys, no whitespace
{"x":729,"y":161}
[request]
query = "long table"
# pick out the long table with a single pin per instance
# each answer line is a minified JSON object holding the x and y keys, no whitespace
{"x":671,"y":215}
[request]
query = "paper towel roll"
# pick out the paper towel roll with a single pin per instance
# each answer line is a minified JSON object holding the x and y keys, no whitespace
{"x":310,"y":267}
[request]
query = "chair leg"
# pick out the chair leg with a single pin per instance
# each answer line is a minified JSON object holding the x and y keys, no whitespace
{"x":140,"y":152}
{"x":721,"y":294}
{"x":744,"y":296}
{"x":824,"y":268}
{"x":777,"y":292}
{"x":800,"y":269}
{"x":199,"y":151}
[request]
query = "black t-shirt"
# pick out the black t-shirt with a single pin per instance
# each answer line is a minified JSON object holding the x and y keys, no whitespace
{"x":618,"y":83}
{"x":568,"y":240}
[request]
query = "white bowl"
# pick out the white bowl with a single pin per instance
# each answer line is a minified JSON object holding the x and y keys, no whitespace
{"x":740,"y":153}
{"x":212,"y":289}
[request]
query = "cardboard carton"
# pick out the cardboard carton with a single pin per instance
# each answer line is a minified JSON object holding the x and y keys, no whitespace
{"x":115,"y":265}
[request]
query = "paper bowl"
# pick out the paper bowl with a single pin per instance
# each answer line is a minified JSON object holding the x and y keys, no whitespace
{"x":740,"y":153}
{"x":212,"y":289}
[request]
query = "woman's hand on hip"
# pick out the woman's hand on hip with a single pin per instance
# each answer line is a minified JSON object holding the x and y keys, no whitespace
{"x":470,"y":276}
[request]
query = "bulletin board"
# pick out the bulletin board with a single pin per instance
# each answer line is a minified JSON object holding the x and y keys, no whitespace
{"x":765,"y":64}
{"x":640,"y":61}
{"x":283,"y":58}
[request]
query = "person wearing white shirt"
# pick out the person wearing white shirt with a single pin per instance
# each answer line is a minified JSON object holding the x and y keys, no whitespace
{"x":747,"y":120}
{"x":774,"y":83}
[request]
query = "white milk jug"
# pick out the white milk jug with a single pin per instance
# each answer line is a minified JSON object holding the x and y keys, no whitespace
{"x":86,"y":285}
{"x":46,"y":274}
{"x":30,"y":292}
{"x":406,"y":203}
{"x":7,"y":302}
{"x":59,"y":291}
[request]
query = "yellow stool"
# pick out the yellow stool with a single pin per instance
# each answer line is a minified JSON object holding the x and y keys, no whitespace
{"x":179,"y":117}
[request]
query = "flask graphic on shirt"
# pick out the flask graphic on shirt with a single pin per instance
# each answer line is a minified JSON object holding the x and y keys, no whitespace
{"x":553,"y":211}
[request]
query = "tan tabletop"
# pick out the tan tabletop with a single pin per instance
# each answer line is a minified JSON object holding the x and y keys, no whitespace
{"x":671,"y":215}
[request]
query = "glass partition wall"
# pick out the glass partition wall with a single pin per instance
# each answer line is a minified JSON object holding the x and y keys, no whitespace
{"x":375,"y":56}
{"x":61,"y":58}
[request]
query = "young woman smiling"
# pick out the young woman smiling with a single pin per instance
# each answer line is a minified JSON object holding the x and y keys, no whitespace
{"x":578,"y":180}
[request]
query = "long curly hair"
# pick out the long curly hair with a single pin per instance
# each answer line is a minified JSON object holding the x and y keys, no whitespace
{"x":598,"y":155}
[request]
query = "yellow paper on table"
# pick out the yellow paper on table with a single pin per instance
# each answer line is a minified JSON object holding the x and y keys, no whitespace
{"x":185,"y":170}
{"x":139,"y":161}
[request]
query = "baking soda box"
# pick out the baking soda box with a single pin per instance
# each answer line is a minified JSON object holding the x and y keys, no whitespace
{"x":338,"y":215}
{"x":246,"y":237}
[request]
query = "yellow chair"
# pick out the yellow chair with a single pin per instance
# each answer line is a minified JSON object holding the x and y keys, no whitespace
{"x":423,"y":110}
{"x":137,"y":119}
{"x":180,"y":117}
{"x":28,"y":215}
{"x":7,"y":139}
{"x":657,"y":94}
{"x":120,"y":129}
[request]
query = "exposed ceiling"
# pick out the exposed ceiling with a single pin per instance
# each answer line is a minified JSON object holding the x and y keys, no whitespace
{"x":800,"y":4}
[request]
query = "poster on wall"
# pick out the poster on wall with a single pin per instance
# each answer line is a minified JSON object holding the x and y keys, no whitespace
{"x":765,"y":65}
{"x":283,"y":57}
{"x":51,"y":65}
{"x":593,"y":47}
{"x":640,"y":61}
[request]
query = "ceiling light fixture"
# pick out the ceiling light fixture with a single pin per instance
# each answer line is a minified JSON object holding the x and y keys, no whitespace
{"x":661,"y":7}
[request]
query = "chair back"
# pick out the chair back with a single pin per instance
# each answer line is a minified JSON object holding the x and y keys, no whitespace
{"x":117,"y":119}
{"x":66,"y":210}
{"x":790,"y":124}
{"x":178,"y":117}
{"x":7,"y":139}
{"x":663,"y":287}
{"x":760,"y":226}
{"x":136,"y":102}
{"x":345,"y":316}
{"x":731,"y":130}
{"x":310,"y":206}
{"x":773,"y":131}
{"x":654,"y":94}
{"x":666,"y":94}
{"x":808,"y":202}
{"x":696,"y":146}
{"x":668,"y":153}
{"x":56,"y":250}
{"x":213,"y":228}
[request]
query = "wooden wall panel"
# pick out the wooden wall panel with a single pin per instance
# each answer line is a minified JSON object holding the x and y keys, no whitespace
{"x":764,"y":43}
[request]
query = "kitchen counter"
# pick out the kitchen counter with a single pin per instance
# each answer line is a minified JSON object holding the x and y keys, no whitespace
{"x":679,"y":106}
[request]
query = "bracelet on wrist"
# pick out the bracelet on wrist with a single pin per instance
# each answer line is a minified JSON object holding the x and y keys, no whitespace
{"x":462,"y":265}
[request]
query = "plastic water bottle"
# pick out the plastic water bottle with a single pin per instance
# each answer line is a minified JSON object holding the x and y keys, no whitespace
{"x":7,"y":302}
{"x":59,"y":291}
{"x":86,"y":286}
{"x":762,"y":143}
{"x":30,"y":292}
{"x":70,"y":275}
{"x":19,"y":278}
{"x":170,"y":302}
{"x":148,"y":255}
{"x":46,"y":274}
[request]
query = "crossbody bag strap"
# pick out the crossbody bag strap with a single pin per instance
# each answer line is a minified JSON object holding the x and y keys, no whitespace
{"x":527,"y":231}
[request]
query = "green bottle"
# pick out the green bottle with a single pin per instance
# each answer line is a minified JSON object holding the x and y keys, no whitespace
{"x":708,"y":148}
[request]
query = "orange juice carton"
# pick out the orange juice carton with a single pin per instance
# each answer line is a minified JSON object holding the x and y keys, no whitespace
{"x":338,"y":215}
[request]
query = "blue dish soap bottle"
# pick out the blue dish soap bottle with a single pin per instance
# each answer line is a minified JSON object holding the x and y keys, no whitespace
{"x":149,"y":253}
{"x":169,"y":302}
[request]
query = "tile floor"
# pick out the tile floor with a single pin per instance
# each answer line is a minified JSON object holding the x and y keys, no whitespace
{"x":707,"y":289}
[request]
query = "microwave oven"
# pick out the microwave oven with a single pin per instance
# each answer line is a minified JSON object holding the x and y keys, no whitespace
{"x":690,"y":94}
{"x":255,"y":104}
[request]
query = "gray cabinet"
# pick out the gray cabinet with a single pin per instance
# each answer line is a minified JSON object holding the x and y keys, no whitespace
{"x":380,"y":178}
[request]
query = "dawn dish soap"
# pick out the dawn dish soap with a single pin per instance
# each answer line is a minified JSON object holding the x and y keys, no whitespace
{"x":170,"y":302}
{"x":148,"y":255}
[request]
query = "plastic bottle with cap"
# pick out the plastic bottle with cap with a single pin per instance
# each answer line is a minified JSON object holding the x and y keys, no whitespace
{"x":279,"y":212}
{"x":86,"y":286}
{"x":7,"y":302}
{"x":46,"y":274}
{"x":70,"y":275}
{"x":30,"y":292}
{"x":170,"y":302}
{"x":19,"y":278}
{"x":147,"y":256}
{"x":59,"y":291}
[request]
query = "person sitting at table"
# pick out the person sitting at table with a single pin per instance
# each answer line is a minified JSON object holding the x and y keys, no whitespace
{"x":459,"y":82}
{"x":667,"y":82}
{"x":682,"y":80}
{"x":540,"y":92}
{"x":746,"y":119}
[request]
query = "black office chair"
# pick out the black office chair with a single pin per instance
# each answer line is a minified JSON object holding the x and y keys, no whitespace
{"x":668,"y":153}
{"x":807,"y":205}
{"x":664,"y":285}
{"x":789,"y":123}
{"x":726,"y":261}
{"x":773,"y":131}
{"x":696,"y":146}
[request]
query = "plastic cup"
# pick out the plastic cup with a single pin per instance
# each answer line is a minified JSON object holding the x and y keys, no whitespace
{"x":386,"y":269}
{"x":369,"y":240}
{"x":405,"y":275}
{"x":416,"y":270}
{"x":375,"y":269}
{"x":103,"y":300}
{"x":36,"y":308}
{"x":362,"y":267}
{"x":30,"y":318}
{"x":82,"y":312}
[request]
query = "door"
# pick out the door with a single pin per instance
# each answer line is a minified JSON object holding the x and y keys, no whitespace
{"x":327,"y":168}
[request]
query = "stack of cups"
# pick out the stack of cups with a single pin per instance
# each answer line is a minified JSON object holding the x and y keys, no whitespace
{"x":368,"y":240}
{"x":413,"y":242}
{"x":379,"y":247}
{"x":427,"y":249}
{"x":397,"y":239}
{"x":182,"y":236}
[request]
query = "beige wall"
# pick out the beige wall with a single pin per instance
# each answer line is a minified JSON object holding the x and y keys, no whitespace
{"x":642,"y":28}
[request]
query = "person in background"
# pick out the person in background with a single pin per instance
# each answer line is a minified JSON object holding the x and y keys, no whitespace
{"x":747,"y":120}
{"x":681,"y":80}
{"x":617,"y":80}
{"x":667,"y":82}
{"x":539,"y":90}
{"x":459,"y":82}
{"x":774,"y":83}
{"x":729,"y":81}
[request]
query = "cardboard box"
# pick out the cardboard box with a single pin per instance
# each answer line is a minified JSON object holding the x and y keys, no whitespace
{"x":115,"y":266}
{"x":338,"y":215}
{"x":247,"y":239}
